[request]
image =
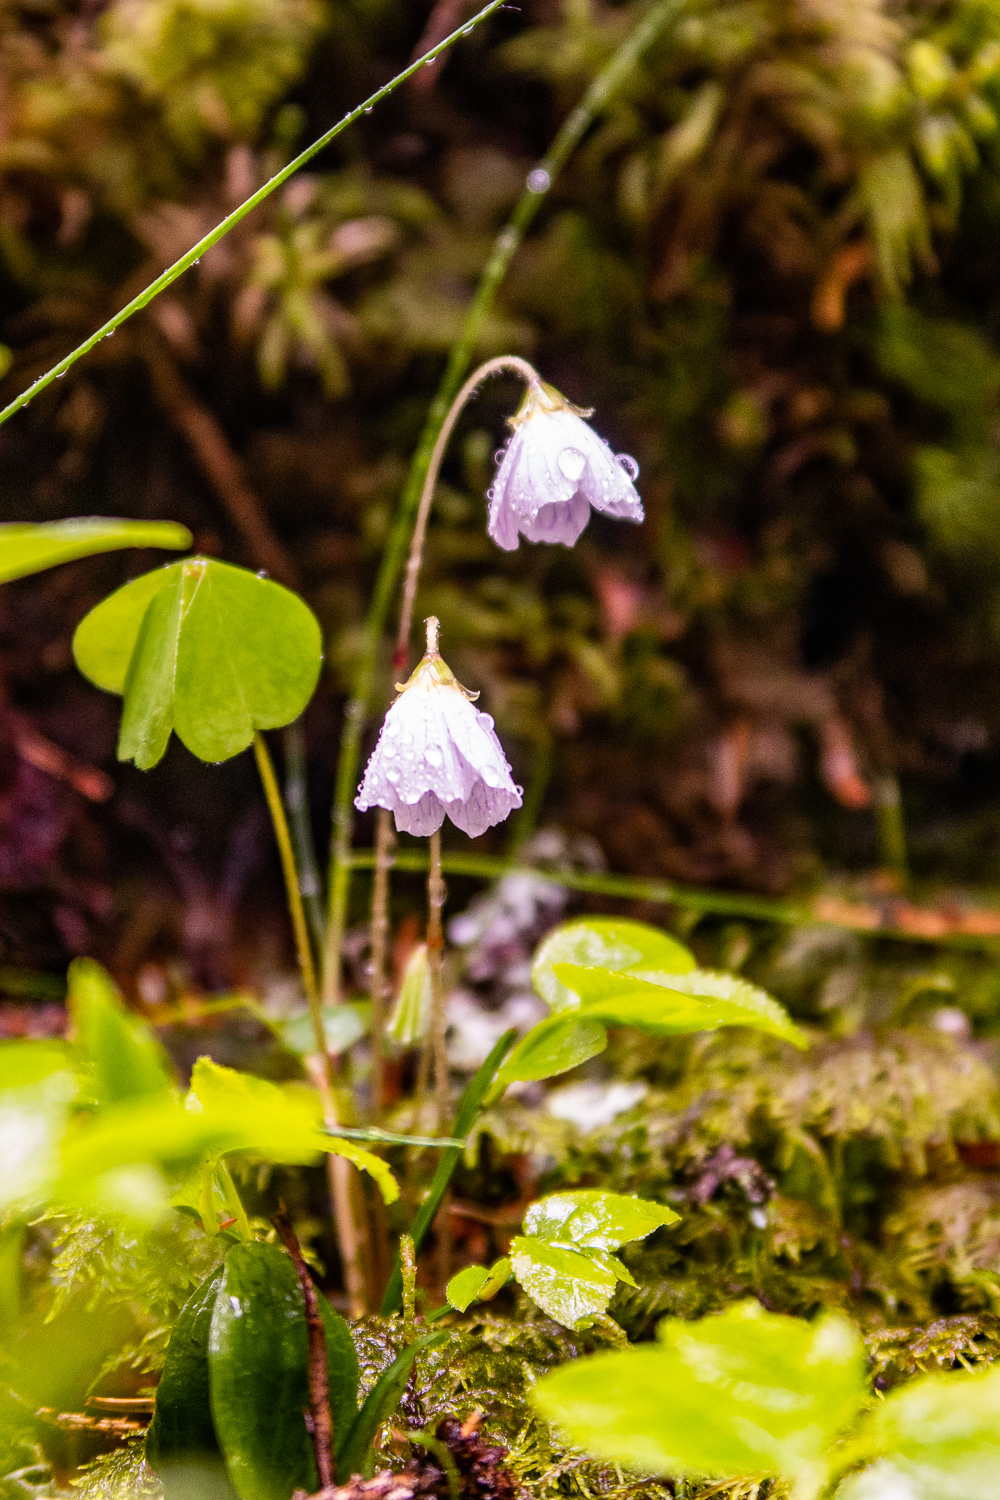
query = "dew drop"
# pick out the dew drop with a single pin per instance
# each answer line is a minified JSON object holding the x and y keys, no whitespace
{"x":629,"y":464}
{"x":572,"y":463}
{"x":432,"y":755}
{"x":262,"y":573}
{"x":538,"y":181}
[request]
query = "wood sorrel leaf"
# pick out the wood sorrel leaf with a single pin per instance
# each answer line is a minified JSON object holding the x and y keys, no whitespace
{"x":203,"y":649}
{"x":673,"y":1004}
{"x":28,"y":548}
{"x":258,"y":1368}
{"x":595,"y":1220}
{"x":603,"y":942}
{"x":746,"y":1392}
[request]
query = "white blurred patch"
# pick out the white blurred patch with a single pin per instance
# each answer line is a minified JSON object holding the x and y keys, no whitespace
{"x":591,"y":1105}
{"x":473,"y":1030}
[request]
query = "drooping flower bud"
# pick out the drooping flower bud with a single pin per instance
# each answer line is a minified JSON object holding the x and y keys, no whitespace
{"x":553,"y":470}
{"x":438,"y":756}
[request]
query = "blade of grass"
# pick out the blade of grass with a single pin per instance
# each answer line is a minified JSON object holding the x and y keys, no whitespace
{"x":170,"y":275}
{"x":465,"y":1118}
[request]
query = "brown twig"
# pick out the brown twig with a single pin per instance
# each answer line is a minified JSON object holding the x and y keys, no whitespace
{"x":319,"y":1379}
{"x":220,"y":465}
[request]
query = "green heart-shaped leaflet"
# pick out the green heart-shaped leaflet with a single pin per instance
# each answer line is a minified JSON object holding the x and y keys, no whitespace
{"x":28,"y":547}
{"x":202,"y":648}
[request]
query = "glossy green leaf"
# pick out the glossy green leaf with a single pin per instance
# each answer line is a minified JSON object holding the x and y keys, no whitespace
{"x":207,"y":650}
{"x":595,"y":1220}
{"x":941,"y":1434}
{"x":181,"y":1440}
{"x":117,"y":1051}
{"x":674,"y":1004}
{"x":605,"y":942}
{"x":463,"y":1289}
{"x":343,"y":1025}
{"x":357,"y":1454}
{"x":568,"y":1285}
{"x":553,"y":1046}
{"x":746,"y":1393}
{"x":258,"y":1366}
{"x":28,"y":548}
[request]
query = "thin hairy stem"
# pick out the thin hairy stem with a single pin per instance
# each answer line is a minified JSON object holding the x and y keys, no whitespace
{"x":435,"y":955}
{"x":297,"y":803}
{"x":408,"y":1268}
{"x":170,"y":275}
{"x":505,"y":247}
{"x":385,"y":841}
{"x":502,"y":364}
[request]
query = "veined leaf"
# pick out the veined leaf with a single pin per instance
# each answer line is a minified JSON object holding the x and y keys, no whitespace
{"x":603,"y":942}
{"x":745,"y":1392}
{"x":210,"y":651}
{"x":568,"y":1285}
{"x":28,"y":548}
{"x":674,"y":1004}
{"x":595,"y":1220}
{"x":553,"y":1046}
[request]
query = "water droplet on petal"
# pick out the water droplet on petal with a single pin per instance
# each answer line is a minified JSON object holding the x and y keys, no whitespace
{"x":629,"y":464}
{"x":572,"y":463}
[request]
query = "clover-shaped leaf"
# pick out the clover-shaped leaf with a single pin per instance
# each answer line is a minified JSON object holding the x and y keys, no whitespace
{"x":210,"y":651}
{"x":27,"y":547}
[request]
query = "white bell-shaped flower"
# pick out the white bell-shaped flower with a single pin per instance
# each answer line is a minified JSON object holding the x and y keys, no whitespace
{"x":553,"y":470}
{"x":438,"y":756}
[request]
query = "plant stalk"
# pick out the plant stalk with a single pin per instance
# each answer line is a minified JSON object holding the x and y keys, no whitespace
{"x":385,"y":841}
{"x":505,"y":247}
{"x":435,"y":954}
{"x":338,"y":1169}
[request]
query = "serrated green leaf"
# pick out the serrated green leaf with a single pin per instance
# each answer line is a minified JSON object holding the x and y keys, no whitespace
{"x":746,"y":1393}
{"x":357,"y":1455}
{"x":463,"y":1289}
{"x":553,"y":1046}
{"x":595,"y":1220}
{"x":941,"y":1434}
{"x":118,"y":1053}
{"x":674,"y":1004}
{"x":603,"y":942}
{"x":282,"y":1124}
{"x":210,"y":651}
{"x":258,"y":1365}
{"x":28,"y":548}
{"x":568,"y":1285}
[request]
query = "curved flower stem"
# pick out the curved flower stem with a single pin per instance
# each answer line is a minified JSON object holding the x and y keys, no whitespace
{"x":385,"y":841}
{"x":435,"y":950}
{"x":190,"y":257}
{"x":505,"y":247}
{"x":498,"y":366}
{"x":344,"y":1216}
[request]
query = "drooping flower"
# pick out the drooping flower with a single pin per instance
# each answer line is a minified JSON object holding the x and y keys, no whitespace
{"x":553,"y":470}
{"x":438,"y":756}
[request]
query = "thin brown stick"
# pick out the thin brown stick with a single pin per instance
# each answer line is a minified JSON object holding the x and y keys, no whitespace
{"x":435,"y":952}
{"x":220,"y":465}
{"x":319,"y":1379}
